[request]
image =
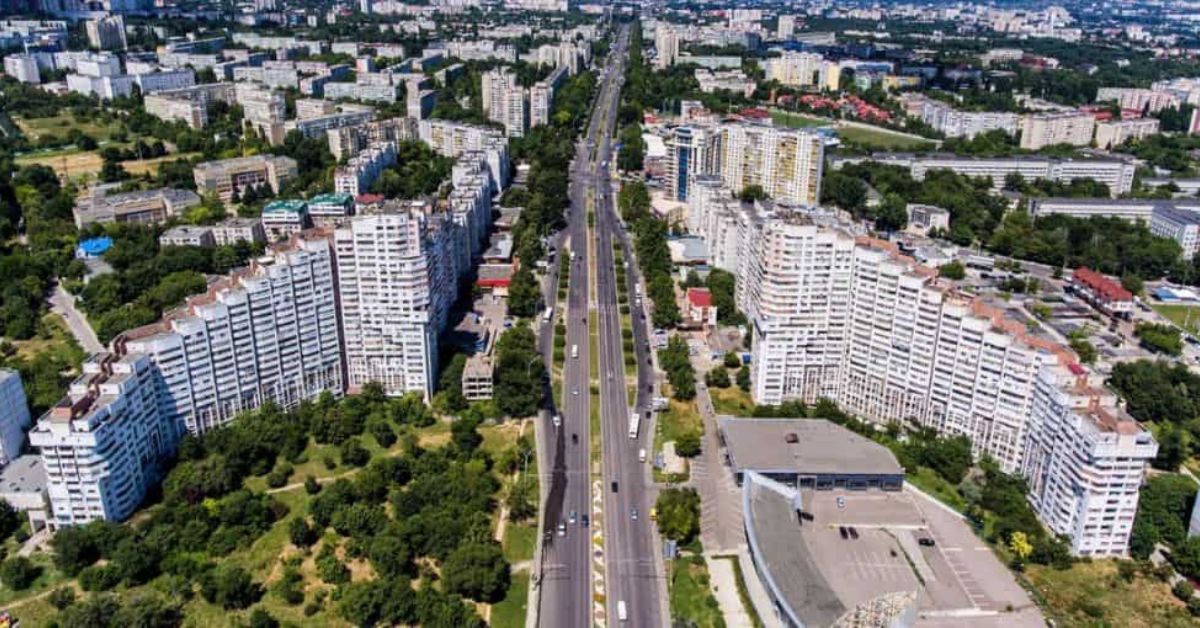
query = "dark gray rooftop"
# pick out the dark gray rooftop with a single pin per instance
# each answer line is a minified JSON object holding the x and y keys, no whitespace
{"x":821,"y":447}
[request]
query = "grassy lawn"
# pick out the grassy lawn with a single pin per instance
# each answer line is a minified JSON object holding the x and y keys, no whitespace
{"x":63,"y":123}
{"x":510,"y":612}
{"x":519,"y":541}
{"x":1093,"y":594}
{"x":679,"y":418}
{"x":1185,"y":316}
{"x":881,"y":139}
{"x":798,"y":120}
{"x":53,"y":337}
{"x":692,"y":602}
{"x":732,"y":400}
{"x":927,"y":480}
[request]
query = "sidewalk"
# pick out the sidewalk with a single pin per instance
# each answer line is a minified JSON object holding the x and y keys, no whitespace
{"x":723,"y":581}
{"x":63,"y":304}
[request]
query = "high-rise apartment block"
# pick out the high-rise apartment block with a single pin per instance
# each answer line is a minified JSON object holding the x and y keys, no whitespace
{"x":1039,"y":130}
{"x":14,"y":415}
{"x":363,"y":169}
{"x":505,"y":101}
{"x":666,"y":45}
{"x":226,"y":177}
{"x":1085,"y":460}
{"x":105,"y":444}
{"x":348,"y":141}
{"x":1116,"y":132}
{"x":796,"y":69}
{"x":786,"y":163}
{"x":107,"y":33}
{"x":23,"y":68}
{"x":452,"y":139}
{"x":266,"y":333}
{"x":846,"y":317}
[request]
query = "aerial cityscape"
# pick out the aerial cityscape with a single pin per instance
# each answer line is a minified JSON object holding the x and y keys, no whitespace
{"x":570,"y":313}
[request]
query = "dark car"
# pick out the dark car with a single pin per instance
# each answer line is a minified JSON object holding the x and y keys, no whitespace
{"x":926,"y":541}
{"x":853,"y":532}
{"x":614,"y":486}
{"x":842,"y":531}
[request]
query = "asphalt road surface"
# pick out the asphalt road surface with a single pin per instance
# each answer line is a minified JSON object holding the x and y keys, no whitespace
{"x":565,"y":574}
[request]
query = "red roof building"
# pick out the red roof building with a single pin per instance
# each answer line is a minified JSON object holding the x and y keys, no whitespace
{"x":1106,"y":295}
{"x":700,"y":310}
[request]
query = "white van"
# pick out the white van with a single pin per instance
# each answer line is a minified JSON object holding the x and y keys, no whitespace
{"x":621,"y":613}
{"x":574,"y":352}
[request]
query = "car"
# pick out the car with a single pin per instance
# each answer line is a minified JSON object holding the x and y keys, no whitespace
{"x":633,"y":514}
{"x":926,"y":541}
{"x":841,"y":502}
{"x":572,"y":517}
{"x":562,"y":529}
{"x":614,"y":486}
{"x":574,"y":438}
{"x":853,"y":532}
{"x":575,"y":392}
{"x":557,"y":421}
{"x":585,"y":520}
{"x":842,"y":531}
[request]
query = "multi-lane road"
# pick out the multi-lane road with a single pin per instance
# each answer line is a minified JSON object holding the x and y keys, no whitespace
{"x":633,"y":572}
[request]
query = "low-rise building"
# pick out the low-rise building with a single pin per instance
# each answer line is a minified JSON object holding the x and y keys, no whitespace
{"x":329,"y":209}
{"x":142,"y":206}
{"x":187,"y":235}
{"x":477,"y":378}
{"x":1106,"y":295}
{"x":227,"y":177}
{"x":233,"y":230}
{"x":925,"y":218}
{"x":284,"y":218}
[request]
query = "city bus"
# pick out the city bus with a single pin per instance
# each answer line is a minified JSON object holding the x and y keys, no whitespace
{"x":635,"y":423}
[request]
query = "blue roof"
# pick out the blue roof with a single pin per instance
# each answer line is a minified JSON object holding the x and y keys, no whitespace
{"x":96,"y":246}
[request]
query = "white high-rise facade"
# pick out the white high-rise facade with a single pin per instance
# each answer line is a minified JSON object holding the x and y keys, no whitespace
{"x":384,"y":284}
{"x":666,"y":44}
{"x":1084,"y":463}
{"x":105,"y":444}
{"x":267,"y":333}
{"x":797,"y":69}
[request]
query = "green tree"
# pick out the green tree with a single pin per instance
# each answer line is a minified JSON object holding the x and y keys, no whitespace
{"x":678,"y":511}
{"x":477,"y":571}
{"x":229,"y":587}
{"x":952,"y":270}
{"x":524,"y":296}
{"x":18,"y":572}
{"x":688,"y":444}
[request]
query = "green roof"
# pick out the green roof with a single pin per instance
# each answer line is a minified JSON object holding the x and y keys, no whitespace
{"x":331,"y":199}
{"x":293,"y":206}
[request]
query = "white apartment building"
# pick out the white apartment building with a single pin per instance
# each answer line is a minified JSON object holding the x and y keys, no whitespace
{"x":850,"y":319}
{"x":796,"y":69}
{"x":666,"y":44}
{"x":1117,"y":174}
{"x":347,"y":141}
{"x":956,"y":123}
{"x":351,"y":115}
{"x":267,"y":333}
{"x":363,"y":169}
{"x":1128,"y":209}
{"x":1180,"y":225}
{"x":505,"y":101}
{"x":1138,"y":99}
{"x":541,"y":104}
{"x":369,"y":92}
{"x":104,"y":445}
{"x":1116,"y":132}
{"x":1039,"y":130}
{"x":451,"y":139}
{"x":787,"y":163}
{"x":23,"y":68}
{"x":14,"y":415}
{"x":106,"y":33}
{"x":384,"y":284}
{"x":1085,"y":460}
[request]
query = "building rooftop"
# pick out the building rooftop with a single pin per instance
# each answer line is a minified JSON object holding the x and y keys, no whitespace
{"x":1103,"y":286}
{"x":803,"y":446}
{"x":332,"y":198}
{"x":699,"y":297}
{"x":25,"y":474}
{"x":292,"y":206}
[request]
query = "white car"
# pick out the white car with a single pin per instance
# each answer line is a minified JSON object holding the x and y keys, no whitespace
{"x":557,"y":421}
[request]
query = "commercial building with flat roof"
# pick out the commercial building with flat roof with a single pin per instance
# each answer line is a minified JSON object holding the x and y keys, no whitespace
{"x":808,"y":453}
{"x":226,"y":177}
{"x":142,"y":206}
